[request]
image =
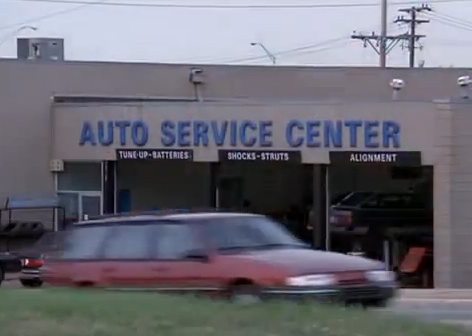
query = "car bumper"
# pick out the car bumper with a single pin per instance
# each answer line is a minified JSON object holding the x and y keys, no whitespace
{"x":30,"y":274}
{"x":346,"y":294}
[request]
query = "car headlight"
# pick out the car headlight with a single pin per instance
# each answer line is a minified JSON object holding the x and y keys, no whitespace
{"x":380,"y":276}
{"x":311,"y":280}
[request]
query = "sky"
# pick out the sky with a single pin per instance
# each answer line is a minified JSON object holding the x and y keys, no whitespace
{"x":296,"y":36}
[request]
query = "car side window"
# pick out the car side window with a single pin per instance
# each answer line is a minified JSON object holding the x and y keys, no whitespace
{"x":84,"y":242}
{"x":129,"y":242}
{"x":176,"y":241}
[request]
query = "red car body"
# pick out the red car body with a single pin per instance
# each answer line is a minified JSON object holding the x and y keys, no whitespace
{"x":228,"y":253}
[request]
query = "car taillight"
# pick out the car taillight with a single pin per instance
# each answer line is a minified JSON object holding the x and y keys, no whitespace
{"x":33,"y":262}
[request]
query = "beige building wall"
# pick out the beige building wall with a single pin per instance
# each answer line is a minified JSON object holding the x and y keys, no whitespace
{"x":453,"y":195}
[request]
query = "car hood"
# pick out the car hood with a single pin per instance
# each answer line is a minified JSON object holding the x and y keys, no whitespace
{"x":306,"y":261}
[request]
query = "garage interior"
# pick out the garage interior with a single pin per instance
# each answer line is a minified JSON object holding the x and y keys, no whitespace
{"x":281,"y":190}
{"x":384,"y":212}
{"x":156,"y":185}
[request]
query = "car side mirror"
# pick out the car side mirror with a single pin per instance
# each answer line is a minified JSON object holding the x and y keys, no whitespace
{"x":198,"y":255}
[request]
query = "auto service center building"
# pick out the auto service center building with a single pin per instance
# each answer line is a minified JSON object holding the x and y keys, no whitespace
{"x":110,"y":137}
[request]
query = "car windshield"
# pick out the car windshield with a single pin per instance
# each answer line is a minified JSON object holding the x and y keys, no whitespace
{"x":248,"y":233}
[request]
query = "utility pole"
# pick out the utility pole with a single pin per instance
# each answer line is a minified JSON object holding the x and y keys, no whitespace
{"x":413,"y":21}
{"x":383,"y":43}
{"x":383,"y":34}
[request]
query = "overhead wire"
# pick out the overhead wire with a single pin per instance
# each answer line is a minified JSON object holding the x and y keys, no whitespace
{"x":287,"y":51}
{"x":447,"y":20}
{"x":314,"y":48}
{"x":451,"y":21}
{"x":247,"y":6}
{"x":48,"y":16}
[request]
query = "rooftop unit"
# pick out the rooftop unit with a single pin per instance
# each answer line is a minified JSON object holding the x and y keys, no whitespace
{"x":51,"y":49}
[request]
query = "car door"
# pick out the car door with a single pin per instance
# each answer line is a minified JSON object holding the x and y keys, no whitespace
{"x":127,"y":256}
{"x":181,"y":263}
{"x":80,"y":263}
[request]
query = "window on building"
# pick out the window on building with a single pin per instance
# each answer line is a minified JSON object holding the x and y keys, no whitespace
{"x":80,"y":176}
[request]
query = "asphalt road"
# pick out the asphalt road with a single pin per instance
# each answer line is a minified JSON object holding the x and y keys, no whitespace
{"x":435,"y":310}
{"x":448,"y":306}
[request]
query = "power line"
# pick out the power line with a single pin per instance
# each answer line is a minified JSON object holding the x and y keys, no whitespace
{"x":452,"y":18}
{"x":311,"y":48}
{"x":306,"y":49}
{"x":319,"y":50}
{"x":450,"y":21}
{"x":204,"y":6}
{"x":48,"y":16}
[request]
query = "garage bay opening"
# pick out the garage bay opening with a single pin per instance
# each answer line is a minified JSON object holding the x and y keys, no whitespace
{"x":149,"y":180}
{"x":274,"y":183}
{"x":381,"y":207}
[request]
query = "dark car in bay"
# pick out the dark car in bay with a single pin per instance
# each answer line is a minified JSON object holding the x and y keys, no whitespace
{"x":382,"y":211}
{"x":222,"y":254}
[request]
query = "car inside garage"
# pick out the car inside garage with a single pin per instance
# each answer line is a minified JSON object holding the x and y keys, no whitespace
{"x":384,"y":210}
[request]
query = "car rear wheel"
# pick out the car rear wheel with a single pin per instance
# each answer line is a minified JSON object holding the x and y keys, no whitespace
{"x":31,"y":283}
{"x":245,"y":294}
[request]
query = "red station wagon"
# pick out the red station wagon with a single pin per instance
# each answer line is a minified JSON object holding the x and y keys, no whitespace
{"x":234,"y":255}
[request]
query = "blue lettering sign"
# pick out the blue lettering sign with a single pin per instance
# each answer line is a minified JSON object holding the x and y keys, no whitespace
{"x":200,"y":133}
{"x":293,"y":134}
{"x":104,"y":133}
{"x":333,"y":134}
{"x":311,"y":133}
{"x":390,"y":134}
{"x":87,"y":135}
{"x":371,"y":134}
{"x":353,"y":127}
{"x":139,"y":133}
